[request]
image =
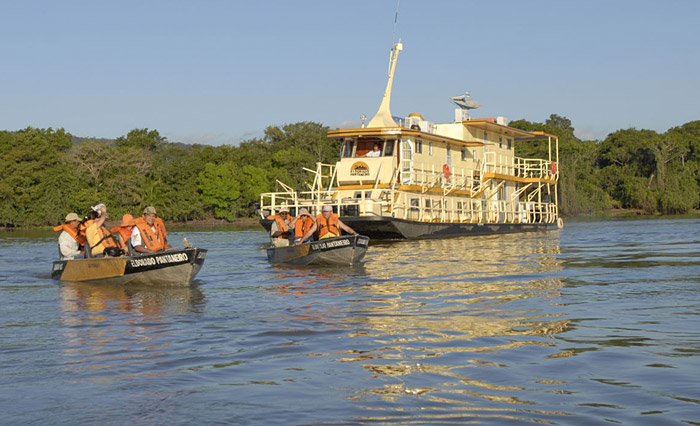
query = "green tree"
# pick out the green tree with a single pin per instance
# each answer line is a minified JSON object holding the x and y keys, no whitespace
{"x":220,"y":189}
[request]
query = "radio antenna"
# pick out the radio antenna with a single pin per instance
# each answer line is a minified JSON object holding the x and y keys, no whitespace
{"x":396,"y":18}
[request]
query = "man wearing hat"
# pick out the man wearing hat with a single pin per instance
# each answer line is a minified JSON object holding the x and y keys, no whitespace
{"x":304,"y":227}
{"x":329,"y":224}
{"x":149,"y":234}
{"x":70,"y":240}
{"x":281,"y":226}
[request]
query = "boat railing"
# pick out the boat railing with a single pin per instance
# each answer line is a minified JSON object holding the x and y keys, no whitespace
{"x":411,"y":206}
{"x":429,"y":176}
{"x":520,"y":167}
{"x":535,"y":168}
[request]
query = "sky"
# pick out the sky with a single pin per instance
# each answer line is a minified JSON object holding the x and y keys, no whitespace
{"x":220,"y":72}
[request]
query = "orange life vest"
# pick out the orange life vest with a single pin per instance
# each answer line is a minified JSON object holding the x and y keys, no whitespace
{"x":325,"y":227}
{"x":153,"y":240}
{"x":281,"y":223}
{"x":160,"y":227}
{"x":123,"y":232}
{"x":106,"y":238}
{"x":80,"y":238}
{"x":302,"y":225}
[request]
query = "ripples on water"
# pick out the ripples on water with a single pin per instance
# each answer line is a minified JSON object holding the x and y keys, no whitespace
{"x":594,"y":324}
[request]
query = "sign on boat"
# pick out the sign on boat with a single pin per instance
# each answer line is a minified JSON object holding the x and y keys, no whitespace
{"x":431,"y":179}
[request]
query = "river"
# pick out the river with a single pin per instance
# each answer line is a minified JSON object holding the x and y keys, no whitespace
{"x":598,"y":323}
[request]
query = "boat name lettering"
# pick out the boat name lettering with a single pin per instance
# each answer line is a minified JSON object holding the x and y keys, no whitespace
{"x":359,"y":169}
{"x":159,"y":260}
{"x":332,"y":244}
{"x":58,"y":266}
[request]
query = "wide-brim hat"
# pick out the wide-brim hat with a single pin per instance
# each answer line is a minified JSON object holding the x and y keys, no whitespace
{"x":283,"y":208}
{"x":327,"y":208}
{"x":303,"y":211}
{"x":127,"y":220}
{"x":70,"y":217}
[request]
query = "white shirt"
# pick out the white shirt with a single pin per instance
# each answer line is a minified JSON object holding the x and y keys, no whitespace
{"x":374,"y":154}
{"x":136,"y":236}
{"x":67,"y":246}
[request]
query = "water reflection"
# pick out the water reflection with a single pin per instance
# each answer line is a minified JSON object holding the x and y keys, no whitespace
{"x":120,"y":329}
{"x":428,"y":318}
{"x":147,"y":302}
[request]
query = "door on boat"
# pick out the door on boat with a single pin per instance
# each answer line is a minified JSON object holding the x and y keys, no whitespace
{"x":406,"y":161}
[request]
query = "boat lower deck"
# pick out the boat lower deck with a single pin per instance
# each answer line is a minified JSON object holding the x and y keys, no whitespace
{"x":389,"y":228}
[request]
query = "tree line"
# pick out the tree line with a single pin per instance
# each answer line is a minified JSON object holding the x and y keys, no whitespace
{"x":47,"y":173}
{"x":655,"y":173}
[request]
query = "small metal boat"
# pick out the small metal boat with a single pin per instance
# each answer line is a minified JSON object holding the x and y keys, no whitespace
{"x":173,"y":267}
{"x":344,"y":250}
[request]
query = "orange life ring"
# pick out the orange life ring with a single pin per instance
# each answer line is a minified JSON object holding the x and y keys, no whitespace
{"x":446,"y":171}
{"x":554,"y":168}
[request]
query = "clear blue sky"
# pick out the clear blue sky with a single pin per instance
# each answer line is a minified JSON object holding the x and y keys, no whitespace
{"x":221,"y":71}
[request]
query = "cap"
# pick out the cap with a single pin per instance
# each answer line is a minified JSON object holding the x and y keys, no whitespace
{"x":149,"y":209}
{"x":303,"y":211}
{"x":70,"y":217}
{"x":327,"y":208}
{"x":127,"y":220}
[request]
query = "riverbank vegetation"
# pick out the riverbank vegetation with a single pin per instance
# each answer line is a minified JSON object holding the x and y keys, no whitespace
{"x":47,"y":173}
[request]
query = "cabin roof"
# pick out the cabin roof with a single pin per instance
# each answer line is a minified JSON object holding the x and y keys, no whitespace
{"x":488,"y":124}
{"x":397,"y":132}
{"x":538,"y":135}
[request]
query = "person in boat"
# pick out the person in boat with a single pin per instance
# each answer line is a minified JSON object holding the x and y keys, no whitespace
{"x":376,"y":151}
{"x":70,"y":241}
{"x":281,"y":228}
{"x":304,"y":227}
{"x":329,"y":224}
{"x":124,"y":231}
{"x":99,"y":239}
{"x":148,"y":234}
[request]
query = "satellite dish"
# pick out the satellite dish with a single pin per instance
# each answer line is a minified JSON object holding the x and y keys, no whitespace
{"x":465,"y":102}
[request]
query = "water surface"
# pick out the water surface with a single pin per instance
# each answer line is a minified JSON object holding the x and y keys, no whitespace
{"x":594,"y":324}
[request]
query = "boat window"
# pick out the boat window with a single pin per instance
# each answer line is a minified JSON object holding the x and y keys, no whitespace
{"x":510,"y":143}
{"x":464,"y":154}
{"x":430,"y":148}
{"x":365,"y":145}
{"x":474,"y":155}
{"x":500,"y":142}
{"x":415,"y":203}
{"x":347,"y":148}
{"x":419,"y":146}
{"x":389,"y":148}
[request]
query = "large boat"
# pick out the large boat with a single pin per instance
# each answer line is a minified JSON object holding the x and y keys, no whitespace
{"x":172,"y":267}
{"x":429,"y":179}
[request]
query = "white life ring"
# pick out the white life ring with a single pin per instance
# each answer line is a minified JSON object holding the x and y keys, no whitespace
{"x":560,"y":223}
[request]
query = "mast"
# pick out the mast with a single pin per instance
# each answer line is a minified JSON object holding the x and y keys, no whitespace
{"x":383,"y":116}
